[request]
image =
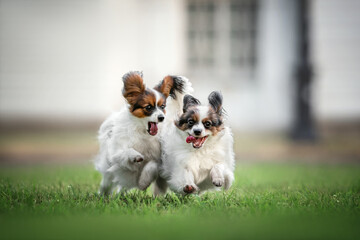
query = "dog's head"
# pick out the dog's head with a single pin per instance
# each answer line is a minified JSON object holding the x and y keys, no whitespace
{"x":201,"y":122}
{"x":147,"y":104}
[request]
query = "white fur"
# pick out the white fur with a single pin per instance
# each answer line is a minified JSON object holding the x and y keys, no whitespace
{"x":205,"y":168}
{"x":123,"y":140}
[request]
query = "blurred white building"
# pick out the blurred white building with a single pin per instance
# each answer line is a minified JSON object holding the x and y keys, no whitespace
{"x":63,"y":60}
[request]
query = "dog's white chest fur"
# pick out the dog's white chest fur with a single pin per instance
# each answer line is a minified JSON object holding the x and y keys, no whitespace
{"x":179,"y":156}
{"x":201,"y":161}
{"x":147,"y":145}
{"x":128,"y":134}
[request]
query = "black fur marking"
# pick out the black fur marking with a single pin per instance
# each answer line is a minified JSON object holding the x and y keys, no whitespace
{"x":185,"y":117}
{"x":136,"y":106}
{"x":146,"y":112}
{"x":215,"y":99}
{"x":216,"y":119}
{"x":178,"y":86}
{"x":190,"y":101}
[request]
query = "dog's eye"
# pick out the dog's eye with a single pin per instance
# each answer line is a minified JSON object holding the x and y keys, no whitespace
{"x":162,"y":106}
{"x":207,"y":124}
{"x":191,"y":122}
{"x":148,"y":107}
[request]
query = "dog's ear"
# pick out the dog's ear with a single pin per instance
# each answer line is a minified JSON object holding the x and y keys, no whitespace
{"x":190,"y":101}
{"x":133,"y":86}
{"x":169,"y":85}
{"x":215,"y":100}
{"x":165,"y":86}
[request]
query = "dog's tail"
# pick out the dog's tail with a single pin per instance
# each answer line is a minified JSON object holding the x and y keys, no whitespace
{"x":179,"y":87}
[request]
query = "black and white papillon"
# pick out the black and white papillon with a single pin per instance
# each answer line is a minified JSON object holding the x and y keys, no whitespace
{"x":129,"y":155}
{"x":197,"y":147}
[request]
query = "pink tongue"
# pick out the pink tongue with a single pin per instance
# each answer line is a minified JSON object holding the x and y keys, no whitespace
{"x":190,"y":139}
{"x":153,"y":128}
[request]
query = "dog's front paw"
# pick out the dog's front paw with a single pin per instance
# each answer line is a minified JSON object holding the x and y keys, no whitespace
{"x":189,"y":189}
{"x":138,"y":159}
{"x":218,"y":182}
{"x":143,"y":185}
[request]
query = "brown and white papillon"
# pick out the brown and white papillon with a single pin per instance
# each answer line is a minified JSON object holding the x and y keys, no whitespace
{"x":129,"y":155}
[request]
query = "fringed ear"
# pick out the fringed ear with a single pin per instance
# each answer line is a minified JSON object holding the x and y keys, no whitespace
{"x":190,"y":101}
{"x":165,"y":86}
{"x":169,"y":85}
{"x":133,"y":86}
{"x":215,"y":100}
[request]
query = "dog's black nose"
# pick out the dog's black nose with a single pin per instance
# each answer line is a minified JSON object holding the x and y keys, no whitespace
{"x":197,"y":132}
{"x":161,"y":118}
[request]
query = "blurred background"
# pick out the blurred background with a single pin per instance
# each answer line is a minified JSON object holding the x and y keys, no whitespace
{"x":289,"y":71}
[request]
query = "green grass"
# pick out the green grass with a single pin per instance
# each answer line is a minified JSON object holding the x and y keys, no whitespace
{"x":272,"y":201}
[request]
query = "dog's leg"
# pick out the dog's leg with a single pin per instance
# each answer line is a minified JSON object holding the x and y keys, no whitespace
{"x":217,"y":175}
{"x":148,"y":175}
{"x":128,"y":158}
{"x":121,"y":191}
{"x":160,"y":186}
{"x":229,"y":178}
{"x":106,"y":184}
{"x":183,"y":182}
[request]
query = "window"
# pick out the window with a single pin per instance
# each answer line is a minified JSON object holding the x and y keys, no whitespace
{"x":222,"y":34}
{"x":201,"y":33}
{"x":243,"y":21}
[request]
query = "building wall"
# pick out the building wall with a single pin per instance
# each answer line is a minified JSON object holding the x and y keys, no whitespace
{"x":336,"y":55}
{"x":49,"y":59}
{"x":64,"y":60}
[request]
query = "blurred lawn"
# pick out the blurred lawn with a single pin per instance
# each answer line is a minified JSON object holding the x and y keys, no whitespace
{"x":272,"y":201}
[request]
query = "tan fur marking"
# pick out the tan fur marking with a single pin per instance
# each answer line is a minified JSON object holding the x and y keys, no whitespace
{"x":165,"y":86}
{"x":213,"y":118}
{"x":138,"y":108}
{"x":161,"y":102}
{"x":133,"y":87}
{"x":182,"y":122}
{"x":148,"y":99}
{"x":140,"y":113}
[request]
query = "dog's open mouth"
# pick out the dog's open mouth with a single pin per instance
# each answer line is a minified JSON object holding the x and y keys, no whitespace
{"x":196,"y":141}
{"x":152,"y":128}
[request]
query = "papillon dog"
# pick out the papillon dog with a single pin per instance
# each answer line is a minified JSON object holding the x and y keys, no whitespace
{"x":197,"y":147}
{"x":129,"y":153}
